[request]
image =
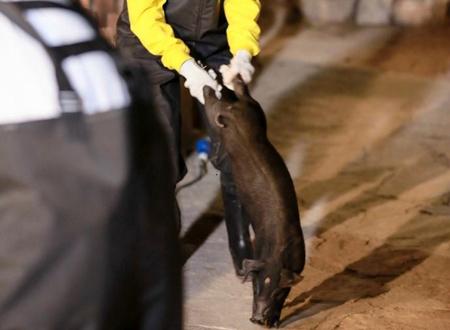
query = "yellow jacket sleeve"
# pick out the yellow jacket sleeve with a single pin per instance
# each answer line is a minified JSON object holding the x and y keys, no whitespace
{"x":243,"y":30}
{"x":148,"y":23}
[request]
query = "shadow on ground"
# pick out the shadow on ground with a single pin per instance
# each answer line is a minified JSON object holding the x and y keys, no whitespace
{"x":198,"y":233}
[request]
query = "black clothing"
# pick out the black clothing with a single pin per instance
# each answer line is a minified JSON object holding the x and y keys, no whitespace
{"x":86,"y":210}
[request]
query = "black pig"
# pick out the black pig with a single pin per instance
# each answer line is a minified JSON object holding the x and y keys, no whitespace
{"x":267,"y":193}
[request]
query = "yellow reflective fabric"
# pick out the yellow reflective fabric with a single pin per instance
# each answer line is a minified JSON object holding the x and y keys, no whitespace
{"x":243,"y":30}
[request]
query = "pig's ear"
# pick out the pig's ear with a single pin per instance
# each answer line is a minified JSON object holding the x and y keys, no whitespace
{"x":218,"y":120}
{"x":288,"y":278}
{"x":210,"y":95}
{"x":250,"y":266}
{"x":240,"y":88}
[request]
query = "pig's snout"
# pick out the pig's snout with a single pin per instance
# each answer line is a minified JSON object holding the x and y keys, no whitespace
{"x":259,"y":311}
{"x":264,"y":315}
{"x":261,"y":314}
{"x":257,"y":320}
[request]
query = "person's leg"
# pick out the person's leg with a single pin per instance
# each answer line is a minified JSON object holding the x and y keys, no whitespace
{"x":157,"y":273}
{"x":163,"y":87}
{"x":167,"y":102}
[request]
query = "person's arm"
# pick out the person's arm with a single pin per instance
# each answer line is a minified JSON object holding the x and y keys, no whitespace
{"x":243,"y":38}
{"x":148,"y":23}
{"x":243,"y":30}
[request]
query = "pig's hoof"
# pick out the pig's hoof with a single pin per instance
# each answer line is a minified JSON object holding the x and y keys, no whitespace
{"x":238,"y":268}
{"x":240,"y":273}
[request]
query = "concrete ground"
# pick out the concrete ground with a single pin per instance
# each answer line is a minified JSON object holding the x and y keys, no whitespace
{"x":362,"y":118}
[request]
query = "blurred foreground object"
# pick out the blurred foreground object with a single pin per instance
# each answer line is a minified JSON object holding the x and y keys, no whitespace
{"x":87,"y":228}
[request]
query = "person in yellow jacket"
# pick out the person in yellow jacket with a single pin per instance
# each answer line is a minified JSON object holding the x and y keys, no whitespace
{"x":170,"y":38}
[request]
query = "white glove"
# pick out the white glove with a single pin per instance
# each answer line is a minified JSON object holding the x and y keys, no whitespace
{"x":241,"y":65}
{"x":197,"y":78}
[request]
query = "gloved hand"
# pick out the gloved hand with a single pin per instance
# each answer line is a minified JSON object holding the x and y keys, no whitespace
{"x":241,"y":65}
{"x":197,"y":78}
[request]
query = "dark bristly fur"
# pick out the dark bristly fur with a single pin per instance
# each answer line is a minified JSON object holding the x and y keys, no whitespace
{"x":267,"y":193}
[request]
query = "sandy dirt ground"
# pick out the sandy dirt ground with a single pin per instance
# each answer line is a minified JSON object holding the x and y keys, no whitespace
{"x":362,"y":118}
